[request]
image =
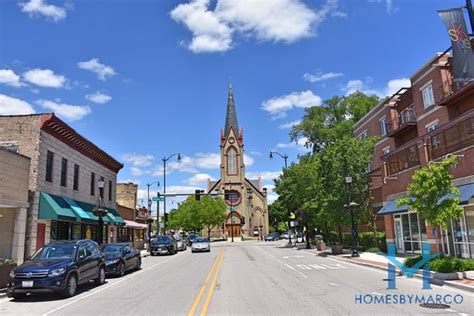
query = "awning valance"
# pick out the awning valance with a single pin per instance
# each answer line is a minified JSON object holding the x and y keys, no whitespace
{"x":392,"y":208}
{"x":132,"y":224}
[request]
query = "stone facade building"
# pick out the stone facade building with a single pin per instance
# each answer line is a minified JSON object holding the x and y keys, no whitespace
{"x":419,"y":125}
{"x":63,"y":179}
{"x":14,"y":177}
{"x":247,"y":200}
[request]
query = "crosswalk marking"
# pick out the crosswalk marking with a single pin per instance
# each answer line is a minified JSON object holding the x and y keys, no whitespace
{"x":321,"y":266}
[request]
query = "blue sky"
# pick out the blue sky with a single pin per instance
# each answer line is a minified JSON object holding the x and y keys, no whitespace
{"x":143,"y":79}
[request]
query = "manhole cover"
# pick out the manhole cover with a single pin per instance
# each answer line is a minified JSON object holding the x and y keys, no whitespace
{"x":434,"y":306}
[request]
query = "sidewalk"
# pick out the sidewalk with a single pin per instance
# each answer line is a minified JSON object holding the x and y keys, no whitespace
{"x":377,"y":261}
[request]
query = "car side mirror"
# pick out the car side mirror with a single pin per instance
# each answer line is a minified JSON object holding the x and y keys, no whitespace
{"x":82,"y":257}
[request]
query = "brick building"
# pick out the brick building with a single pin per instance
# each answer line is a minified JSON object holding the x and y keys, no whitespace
{"x":423,"y":123}
{"x":63,"y":180}
{"x":14,"y":177}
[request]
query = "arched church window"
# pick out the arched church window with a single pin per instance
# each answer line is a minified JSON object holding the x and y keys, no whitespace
{"x":232,"y":161}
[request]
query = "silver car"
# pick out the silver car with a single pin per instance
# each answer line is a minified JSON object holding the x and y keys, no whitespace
{"x":201,"y":244}
{"x":181,"y":244}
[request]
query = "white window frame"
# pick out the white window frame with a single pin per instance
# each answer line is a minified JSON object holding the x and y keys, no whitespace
{"x":383,"y":127}
{"x":386,"y":150}
{"x":363,"y":135}
{"x":427,"y":94}
{"x":432,"y":126}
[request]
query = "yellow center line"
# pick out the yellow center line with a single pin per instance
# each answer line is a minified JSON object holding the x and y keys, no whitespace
{"x":203,"y":288}
{"x":211,"y":288}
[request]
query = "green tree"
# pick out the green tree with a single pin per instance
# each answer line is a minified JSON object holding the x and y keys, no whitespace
{"x":212,"y":212}
{"x":432,"y":194}
{"x":277,"y":215}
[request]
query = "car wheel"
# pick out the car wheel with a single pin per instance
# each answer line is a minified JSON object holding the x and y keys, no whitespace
{"x":71,"y":286}
{"x":101,"y":279}
{"x":121,"y":269}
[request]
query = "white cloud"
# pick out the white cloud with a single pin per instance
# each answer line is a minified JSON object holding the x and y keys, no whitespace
{"x":136,"y":171}
{"x":363,"y":86}
{"x":289,"y":124}
{"x":98,"y":97}
{"x":264,"y":175}
{"x":248,"y":161}
{"x":389,"y":7}
{"x":339,"y":14}
{"x":321,"y":76}
{"x":44,"y":78}
{"x":300,"y":144}
{"x":200,"y":178}
{"x":140,"y":160}
{"x":9,"y":78}
{"x":40,"y":7}
{"x":67,"y":111}
{"x":278,"y":106}
{"x":277,"y":21}
{"x":271,"y":198}
{"x":14,"y":106}
{"x":256,"y":153}
{"x":102,"y":71}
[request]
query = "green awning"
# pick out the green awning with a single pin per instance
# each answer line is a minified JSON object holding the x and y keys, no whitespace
{"x":55,"y":208}
{"x":63,"y":208}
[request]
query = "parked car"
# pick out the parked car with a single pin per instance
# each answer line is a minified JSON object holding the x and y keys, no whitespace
{"x":58,"y":267}
{"x":180,"y":243}
{"x":272,"y":237}
{"x":163,"y":245}
{"x":201,"y":244}
{"x":191,"y":238}
{"x":285,"y":236}
{"x":121,"y":257}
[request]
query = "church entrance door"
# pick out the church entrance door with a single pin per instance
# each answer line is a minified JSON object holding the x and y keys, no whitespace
{"x":235,"y":228}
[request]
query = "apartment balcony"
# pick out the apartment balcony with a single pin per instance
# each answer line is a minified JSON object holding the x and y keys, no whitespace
{"x":450,"y":92}
{"x":404,"y":158}
{"x":456,"y":135}
{"x":406,"y":121}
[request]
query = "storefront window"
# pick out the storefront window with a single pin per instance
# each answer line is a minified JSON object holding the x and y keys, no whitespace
{"x":76,"y":231}
{"x":413,"y":231}
{"x":63,"y":231}
{"x":470,"y":231}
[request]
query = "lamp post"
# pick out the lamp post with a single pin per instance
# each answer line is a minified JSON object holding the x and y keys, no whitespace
{"x":165,"y":159}
{"x":149,"y":210}
{"x":285,"y":157}
{"x":99,"y":211}
{"x":351,"y":207}
{"x":250,"y":206}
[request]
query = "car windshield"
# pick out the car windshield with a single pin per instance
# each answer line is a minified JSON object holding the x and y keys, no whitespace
{"x":55,"y":252}
{"x":112,"y":248}
{"x":161,"y":239}
{"x":200,"y":239}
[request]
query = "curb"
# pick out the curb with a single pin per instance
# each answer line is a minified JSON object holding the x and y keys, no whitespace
{"x":434,"y":281}
{"x":3,"y":292}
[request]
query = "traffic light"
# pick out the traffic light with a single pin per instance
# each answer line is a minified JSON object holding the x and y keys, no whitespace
{"x":197,"y":195}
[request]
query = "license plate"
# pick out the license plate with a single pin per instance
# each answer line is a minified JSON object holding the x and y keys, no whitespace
{"x":26,"y":283}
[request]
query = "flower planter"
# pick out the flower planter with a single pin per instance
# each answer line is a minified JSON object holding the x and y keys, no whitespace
{"x":5,"y":274}
{"x":321,"y":246}
{"x":336,"y":249}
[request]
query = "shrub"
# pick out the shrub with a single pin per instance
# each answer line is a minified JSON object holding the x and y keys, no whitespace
{"x":443,"y":265}
{"x":5,"y":262}
{"x":410,"y":262}
{"x":373,"y":249}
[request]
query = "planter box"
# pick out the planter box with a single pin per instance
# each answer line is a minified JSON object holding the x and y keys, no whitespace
{"x":336,"y":249}
{"x":447,"y":276}
{"x":5,"y":274}
{"x":468,"y":275}
{"x":321,"y":246}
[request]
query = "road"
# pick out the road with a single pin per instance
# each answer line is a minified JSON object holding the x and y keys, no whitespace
{"x":242,"y":278}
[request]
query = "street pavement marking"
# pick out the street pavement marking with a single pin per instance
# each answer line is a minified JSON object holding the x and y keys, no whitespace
{"x":278,"y":260}
{"x":320,"y":266}
{"x":331,"y":283}
{"x":203,"y":288}
{"x":103,"y":288}
{"x":287,"y":257}
{"x":211,"y":289}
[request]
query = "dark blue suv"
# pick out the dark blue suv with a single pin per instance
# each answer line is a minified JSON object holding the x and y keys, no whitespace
{"x":58,"y":267}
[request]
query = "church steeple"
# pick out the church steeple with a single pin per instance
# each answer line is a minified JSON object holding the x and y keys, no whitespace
{"x":231,"y":115}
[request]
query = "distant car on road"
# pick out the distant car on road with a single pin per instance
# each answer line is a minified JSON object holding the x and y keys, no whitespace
{"x":121,"y":257}
{"x":201,"y":244}
{"x":163,"y":245}
{"x":58,"y":267}
{"x":191,"y":238}
{"x":285,"y":236}
{"x":272,"y":237}
{"x":180,"y":243}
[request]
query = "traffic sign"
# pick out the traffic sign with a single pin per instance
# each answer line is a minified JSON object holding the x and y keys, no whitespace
{"x":231,"y":209}
{"x":155,"y":199}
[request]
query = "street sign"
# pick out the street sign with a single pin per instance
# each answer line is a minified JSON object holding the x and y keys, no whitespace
{"x":231,"y":209}
{"x":155,"y":199}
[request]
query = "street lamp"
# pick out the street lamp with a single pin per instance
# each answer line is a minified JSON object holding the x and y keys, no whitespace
{"x":149,"y":219}
{"x":351,"y":207}
{"x":285,"y":157}
{"x":165,"y":159}
{"x":99,"y":211}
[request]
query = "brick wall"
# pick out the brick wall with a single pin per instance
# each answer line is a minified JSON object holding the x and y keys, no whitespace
{"x":127,"y":194}
{"x":14,"y":177}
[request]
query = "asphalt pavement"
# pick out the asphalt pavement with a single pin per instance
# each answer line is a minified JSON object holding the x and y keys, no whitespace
{"x":248,"y":278}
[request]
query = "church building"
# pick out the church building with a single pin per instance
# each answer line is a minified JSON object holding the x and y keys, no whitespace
{"x":246,"y":199}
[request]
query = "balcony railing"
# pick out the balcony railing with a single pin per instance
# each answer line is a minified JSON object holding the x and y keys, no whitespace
{"x":456,"y":135}
{"x":403,"y":159}
{"x":405,"y":118}
{"x":444,"y":90}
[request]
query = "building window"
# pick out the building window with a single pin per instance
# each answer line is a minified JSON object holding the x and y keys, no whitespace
{"x":386,"y":150}
{"x":432,"y":127}
{"x":92,"y":183}
{"x":76,"y":177}
{"x":428,"y":97}
{"x":232,"y":161}
{"x":363,"y":135}
{"x":49,"y":166}
{"x":110,"y":190}
{"x":64,"y":172}
{"x":383,"y":126}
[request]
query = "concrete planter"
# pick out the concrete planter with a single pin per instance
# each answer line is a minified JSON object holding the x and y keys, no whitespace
{"x":336,"y":249}
{"x":321,"y":246}
{"x":468,"y":275}
{"x":447,"y":276}
{"x":5,"y":274}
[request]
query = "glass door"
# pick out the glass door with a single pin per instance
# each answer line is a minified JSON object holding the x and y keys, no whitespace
{"x":399,"y":235}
